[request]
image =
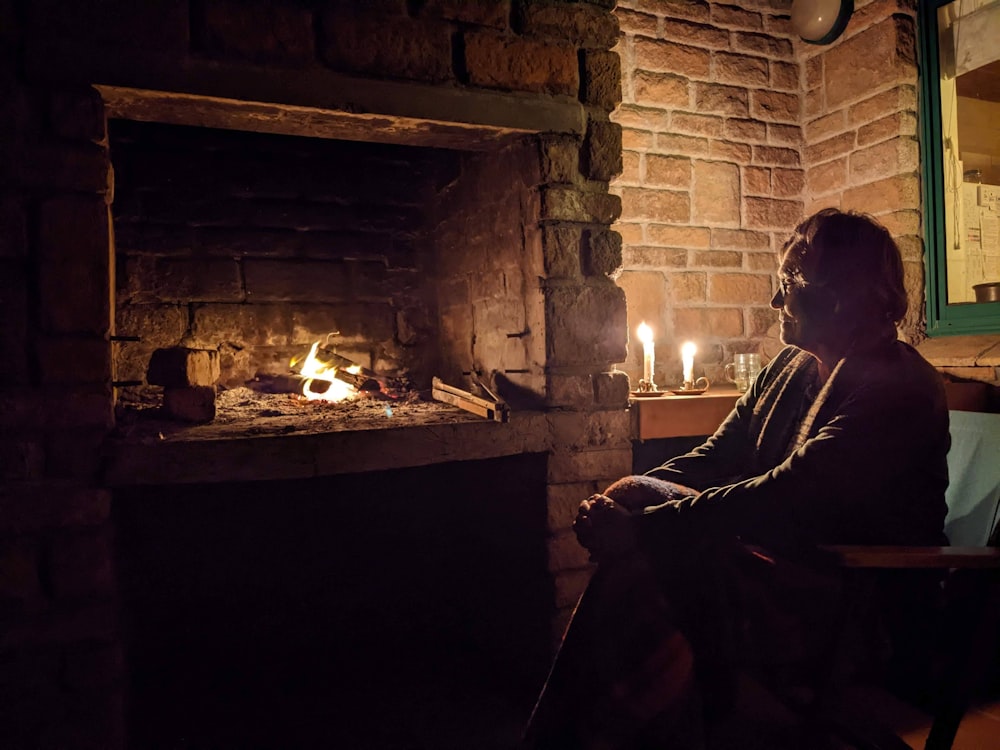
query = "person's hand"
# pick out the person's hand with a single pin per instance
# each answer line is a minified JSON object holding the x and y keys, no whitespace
{"x":605,"y":528}
{"x":583,"y":524}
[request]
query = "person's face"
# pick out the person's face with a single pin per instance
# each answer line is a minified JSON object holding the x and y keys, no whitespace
{"x":802,"y":325}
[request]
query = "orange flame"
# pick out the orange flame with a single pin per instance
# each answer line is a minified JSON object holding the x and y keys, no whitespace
{"x":314,"y":369}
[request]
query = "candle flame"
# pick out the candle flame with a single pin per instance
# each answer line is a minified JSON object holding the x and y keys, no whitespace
{"x":645,"y":333}
{"x":687,"y":361}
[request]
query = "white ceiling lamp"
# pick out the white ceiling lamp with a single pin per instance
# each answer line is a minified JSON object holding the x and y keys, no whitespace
{"x":820,"y":21}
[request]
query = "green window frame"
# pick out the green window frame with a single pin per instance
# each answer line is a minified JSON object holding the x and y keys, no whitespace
{"x":942,"y":319}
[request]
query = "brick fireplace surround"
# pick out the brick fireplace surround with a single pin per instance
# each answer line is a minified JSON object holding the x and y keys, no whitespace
{"x":438,"y":192}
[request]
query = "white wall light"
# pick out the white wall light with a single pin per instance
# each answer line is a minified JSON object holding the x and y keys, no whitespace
{"x":820,"y":21}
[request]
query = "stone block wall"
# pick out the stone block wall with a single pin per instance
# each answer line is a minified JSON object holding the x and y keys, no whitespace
{"x":713,"y":175}
{"x":852,"y":143}
{"x":537,"y":256}
{"x":486,"y":265}
{"x":257,"y":245}
{"x":860,"y":148}
{"x":60,"y":640}
{"x":733,"y":131}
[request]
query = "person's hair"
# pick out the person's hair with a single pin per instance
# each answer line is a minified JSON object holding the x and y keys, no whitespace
{"x":852,"y":265}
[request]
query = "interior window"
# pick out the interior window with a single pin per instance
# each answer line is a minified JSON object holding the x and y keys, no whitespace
{"x":961,"y":120}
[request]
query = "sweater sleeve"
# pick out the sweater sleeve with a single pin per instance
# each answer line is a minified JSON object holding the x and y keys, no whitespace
{"x":720,"y":459}
{"x":726,"y":455}
{"x":851,"y":472}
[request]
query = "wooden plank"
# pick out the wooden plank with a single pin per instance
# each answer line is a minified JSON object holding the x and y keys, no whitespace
{"x":863,"y":556}
{"x":682,"y":416}
{"x":495,"y":410}
{"x":440,"y":385}
{"x":462,"y":403}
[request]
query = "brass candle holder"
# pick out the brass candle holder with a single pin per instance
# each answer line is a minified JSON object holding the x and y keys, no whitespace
{"x":701,"y":384}
{"x":693,"y":387}
{"x":646,"y":386}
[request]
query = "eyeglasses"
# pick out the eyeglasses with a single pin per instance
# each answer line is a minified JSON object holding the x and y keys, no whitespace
{"x":787,"y":283}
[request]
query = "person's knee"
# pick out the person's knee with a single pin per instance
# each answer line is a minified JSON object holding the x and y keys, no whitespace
{"x":638,"y":491}
{"x":629,"y":492}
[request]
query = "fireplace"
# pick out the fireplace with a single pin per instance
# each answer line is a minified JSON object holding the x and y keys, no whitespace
{"x":290,"y":553}
{"x":410,"y":262}
{"x":421,"y":185}
{"x":306,"y":562}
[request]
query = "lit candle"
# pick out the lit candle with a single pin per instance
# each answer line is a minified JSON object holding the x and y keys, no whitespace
{"x":648,"y":354}
{"x":687,"y":359}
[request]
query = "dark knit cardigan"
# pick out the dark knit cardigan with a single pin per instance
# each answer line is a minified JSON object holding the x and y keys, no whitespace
{"x":863,"y":461}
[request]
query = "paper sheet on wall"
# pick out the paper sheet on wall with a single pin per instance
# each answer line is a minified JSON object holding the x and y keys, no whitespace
{"x":991,"y":268}
{"x":989,"y":197}
{"x":989,"y":224}
{"x":969,"y":207}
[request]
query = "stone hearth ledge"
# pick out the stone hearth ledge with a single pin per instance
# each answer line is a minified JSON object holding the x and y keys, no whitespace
{"x":187,"y":458}
{"x":140,"y":82}
{"x":311,"y":102}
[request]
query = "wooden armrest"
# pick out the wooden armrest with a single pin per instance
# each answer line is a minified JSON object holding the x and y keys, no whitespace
{"x":862,"y":556}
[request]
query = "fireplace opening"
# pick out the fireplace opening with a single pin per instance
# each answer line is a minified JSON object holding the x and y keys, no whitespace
{"x":404,"y":608}
{"x":257,"y":245}
{"x":409,"y":262}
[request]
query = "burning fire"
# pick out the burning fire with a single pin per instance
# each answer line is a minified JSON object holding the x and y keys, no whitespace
{"x":314,"y":369}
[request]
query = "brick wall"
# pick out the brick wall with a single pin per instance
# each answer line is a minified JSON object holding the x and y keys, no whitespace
{"x":733,"y":131}
{"x":487,"y":256}
{"x":860,"y":148}
{"x":257,"y":245}
{"x":853,"y":144}
{"x":60,"y":639}
{"x":713,"y":175}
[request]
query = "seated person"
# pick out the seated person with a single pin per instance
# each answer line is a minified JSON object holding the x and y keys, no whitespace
{"x":703,"y":561}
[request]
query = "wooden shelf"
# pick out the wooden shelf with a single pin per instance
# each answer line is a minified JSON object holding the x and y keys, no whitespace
{"x":681,"y":416}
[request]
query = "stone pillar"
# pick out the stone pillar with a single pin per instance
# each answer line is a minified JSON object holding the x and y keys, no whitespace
{"x":583,"y":306}
{"x":61,"y":641}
